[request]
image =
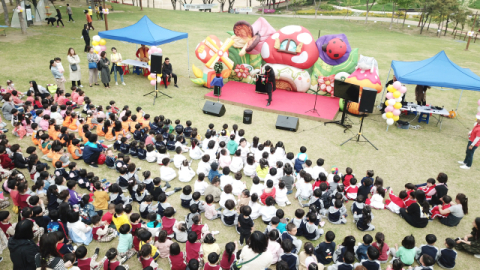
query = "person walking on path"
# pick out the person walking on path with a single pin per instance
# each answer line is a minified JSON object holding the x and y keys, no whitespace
{"x":70,"y":13}
{"x":89,"y":20}
{"x":59,"y":18}
{"x":473,"y":143}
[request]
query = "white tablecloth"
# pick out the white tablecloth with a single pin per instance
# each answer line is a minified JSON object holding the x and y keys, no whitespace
{"x":135,"y":63}
{"x":412,"y":107}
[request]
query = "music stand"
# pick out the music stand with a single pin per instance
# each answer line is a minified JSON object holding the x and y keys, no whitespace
{"x":314,"y":110}
{"x":347,"y":92}
{"x":344,"y":116}
{"x":357,"y":136}
{"x":156,"y":91}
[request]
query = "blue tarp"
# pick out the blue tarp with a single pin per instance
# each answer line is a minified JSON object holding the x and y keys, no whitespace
{"x":144,"y":32}
{"x":438,"y":71}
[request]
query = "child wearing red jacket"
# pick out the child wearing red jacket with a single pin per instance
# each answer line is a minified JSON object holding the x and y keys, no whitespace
{"x":396,"y":202}
{"x":177,"y":258}
{"x":193,"y":247}
{"x":429,"y":189}
{"x":347,"y":177}
{"x":435,"y":212}
{"x":352,"y":189}
{"x":269,"y":191}
{"x":5,"y":160}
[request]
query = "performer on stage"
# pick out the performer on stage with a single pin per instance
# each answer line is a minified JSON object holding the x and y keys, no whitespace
{"x":142,"y":53}
{"x":269,"y":83}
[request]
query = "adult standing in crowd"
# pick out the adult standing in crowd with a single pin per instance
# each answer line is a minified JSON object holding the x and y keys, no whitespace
{"x":74,"y":61}
{"x":104,"y":70}
{"x":416,"y":213}
{"x":86,"y":37}
{"x":116,"y":59}
{"x":49,"y":257}
{"x":70,"y":13}
{"x":471,"y":242}
{"x":455,"y":212}
{"x":57,"y":75}
{"x":167,"y":73}
{"x":255,"y":254}
{"x":22,"y":248}
{"x":92,"y":150}
{"x":473,"y":143}
{"x":92,"y":59}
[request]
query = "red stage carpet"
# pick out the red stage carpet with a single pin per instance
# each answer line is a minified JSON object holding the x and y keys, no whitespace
{"x":284,"y":102}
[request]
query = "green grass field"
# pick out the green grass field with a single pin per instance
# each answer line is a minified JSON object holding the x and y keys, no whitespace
{"x":403,"y":155}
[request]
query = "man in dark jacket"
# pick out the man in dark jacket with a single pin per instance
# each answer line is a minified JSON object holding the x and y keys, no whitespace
{"x":167,"y":73}
{"x":22,"y":248}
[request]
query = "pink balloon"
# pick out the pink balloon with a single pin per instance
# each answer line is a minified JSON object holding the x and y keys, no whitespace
{"x":153,"y":75}
{"x":396,"y":112}
{"x":159,"y":50}
{"x":152,"y":82}
{"x":478,"y":113}
{"x":397,"y":85}
{"x":478,"y":102}
{"x":150,"y":52}
{"x":103,"y":48}
{"x":389,"y":95}
{"x":389,"y":109}
{"x":403,"y":89}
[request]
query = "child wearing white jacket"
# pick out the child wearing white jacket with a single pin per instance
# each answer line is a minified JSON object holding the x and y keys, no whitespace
{"x":178,"y":158}
{"x":167,"y":174}
{"x":281,"y":195}
{"x":204,"y":165}
{"x":195,"y":152}
{"x":238,"y":185}
{"x":185,"y":173}
{"x":237,"y":163}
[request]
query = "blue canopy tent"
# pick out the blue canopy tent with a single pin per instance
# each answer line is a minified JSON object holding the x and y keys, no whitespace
{"x":148,"y":33}
{"x":438,"y":71}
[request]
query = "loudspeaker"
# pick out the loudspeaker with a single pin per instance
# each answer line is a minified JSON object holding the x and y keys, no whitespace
{"x":156,"y":63}
{"x":214,"y":108}
{"x":367,"y":101}
{"x":287,"y":123}
{"x":247,"y":116}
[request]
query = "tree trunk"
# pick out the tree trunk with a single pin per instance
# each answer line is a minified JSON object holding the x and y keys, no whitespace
{"x":393,"y":13}
{"x":21,"y":19}
{"x":148,"y":3}
{"x":230,"y":4}
{"x":315,"y":4}
{"x":221,"y":7}
{"x":429,"y":23}
{"x":141,"y":6}
{"x":11,"y":3}
{"x":5,"y":13}
{"x":404,"y":18}
{"x":263,"y":8}
{"x":446,"y":26}
{"x":174,"y":4}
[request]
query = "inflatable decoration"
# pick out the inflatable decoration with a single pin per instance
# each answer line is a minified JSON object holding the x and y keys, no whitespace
{"x":394,"y":98}
{"x":264,"y":30}
{"x":365,"y":75}
{"x":333,"y":49}
{"x":326,"y":84}
{"x":322,"y":69}
{"x":341,"y":76}
{"x":242,"y":71}
{"x":292,"y":45}
{"x":220,"y":52}
{"x":244,"y":38}
{"x":290,"y":78}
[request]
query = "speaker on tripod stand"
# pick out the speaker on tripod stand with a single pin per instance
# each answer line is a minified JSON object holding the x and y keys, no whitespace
{"x":156,"y":62}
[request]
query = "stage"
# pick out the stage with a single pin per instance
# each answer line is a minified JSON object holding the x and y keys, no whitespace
{"x":284,"y":102}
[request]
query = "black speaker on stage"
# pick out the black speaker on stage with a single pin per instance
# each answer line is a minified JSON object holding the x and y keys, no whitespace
{"x":247,"y":116}
{"x":287,"y":123}
{"x":367,"y":101}
{"x":214,"y":108}
{"x":156,"y":63}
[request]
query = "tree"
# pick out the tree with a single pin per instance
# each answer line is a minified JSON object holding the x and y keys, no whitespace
{"x":317,"y":6}
{"x":5,"y":13}
{"x":230,"y":4}
{"x":222,"y":4}
{"x":369,"y":8}
{"x":349,"y":3}
{"x":21,"y":19}
{"x":174,"y":4}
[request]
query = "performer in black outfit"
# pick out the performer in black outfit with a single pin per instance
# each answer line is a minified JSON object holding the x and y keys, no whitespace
{"x":269,"y":83}
{"x":167,"y":73}
{"x":86,"y":38}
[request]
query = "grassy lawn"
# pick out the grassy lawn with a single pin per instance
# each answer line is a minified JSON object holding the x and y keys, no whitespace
{"x":475,"y":4}
{"x":403,"y":156}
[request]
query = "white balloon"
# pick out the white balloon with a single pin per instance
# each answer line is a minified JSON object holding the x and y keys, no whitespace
{"x":97,"y":48}
{"x":390,"y":121}
{"x":96,"y":38}
{"x":384,"y":116}
{"x":478,"y":108}
{"x":392,"y":102}
{"x":159,"y":79}
{"x":398,"y":99}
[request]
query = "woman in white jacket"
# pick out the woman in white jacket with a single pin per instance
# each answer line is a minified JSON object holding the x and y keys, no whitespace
{"x":185,"y":173}
{"x":195,"y":151}
{"x":75,"y":73}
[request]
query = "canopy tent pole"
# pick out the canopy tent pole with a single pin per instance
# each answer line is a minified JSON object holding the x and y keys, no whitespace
{"x":459,"y":100}
{"x":383,"y":92}
{"x":188,"y":56}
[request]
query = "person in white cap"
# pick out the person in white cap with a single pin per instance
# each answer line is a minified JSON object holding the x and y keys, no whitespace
{"x":473,"y":143}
